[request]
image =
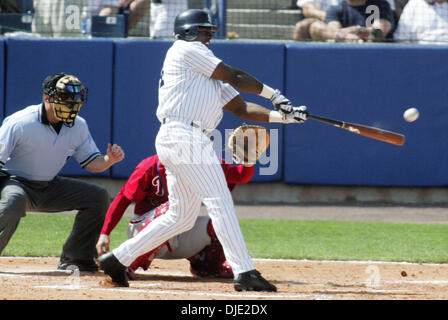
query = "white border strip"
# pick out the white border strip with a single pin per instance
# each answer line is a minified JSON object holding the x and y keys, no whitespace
{"x":351,"y":261}
{"x":322,"y":296}
{"x":289,"y":260}
{"x":180,"y":292}
{"x":152,"y":284}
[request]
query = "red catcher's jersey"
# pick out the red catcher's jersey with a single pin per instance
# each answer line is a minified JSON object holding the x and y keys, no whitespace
{"x":147,"y":185}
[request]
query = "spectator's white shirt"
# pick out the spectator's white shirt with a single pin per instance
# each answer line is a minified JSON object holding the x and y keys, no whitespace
{"x":423,"y":23}
{"x":325,"y":4}
{"x":162,"y":16}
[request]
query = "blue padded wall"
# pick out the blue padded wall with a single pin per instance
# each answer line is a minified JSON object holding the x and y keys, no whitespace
{"x":265,"y":61}
{"x":366,"y":84}
{"x":2,"y":78}
{"x":371,"y":85}
{"x":137,"y":72}
{"x":29,"y":61}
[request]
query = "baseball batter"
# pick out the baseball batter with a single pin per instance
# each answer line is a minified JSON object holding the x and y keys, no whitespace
{"x":195,"y":88}
{"x":146,"y":187}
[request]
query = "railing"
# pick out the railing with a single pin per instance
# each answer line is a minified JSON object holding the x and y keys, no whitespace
{"x":413,"y":21}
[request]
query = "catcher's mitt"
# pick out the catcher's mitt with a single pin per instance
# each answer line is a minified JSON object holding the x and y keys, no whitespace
{"x":248,"y":143}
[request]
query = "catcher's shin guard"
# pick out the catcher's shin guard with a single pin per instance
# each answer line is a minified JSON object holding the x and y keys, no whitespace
{"x":211,"y":261}
{"x":211,"y":231}
{"x":145,"y":260}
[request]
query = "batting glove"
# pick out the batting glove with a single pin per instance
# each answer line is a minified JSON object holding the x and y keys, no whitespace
{"x":300,"y":114}
{"x":281,"y":103}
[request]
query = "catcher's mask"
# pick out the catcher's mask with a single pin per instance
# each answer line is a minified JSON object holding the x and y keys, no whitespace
{"x":187,"y":23}
{"x":67,"y":94}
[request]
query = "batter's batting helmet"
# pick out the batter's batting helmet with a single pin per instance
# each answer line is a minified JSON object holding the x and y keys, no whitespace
{"x":187,"y":23}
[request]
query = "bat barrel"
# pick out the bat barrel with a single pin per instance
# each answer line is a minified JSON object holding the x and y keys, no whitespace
{"x":375,"y":133}
{"x":371,"y":132}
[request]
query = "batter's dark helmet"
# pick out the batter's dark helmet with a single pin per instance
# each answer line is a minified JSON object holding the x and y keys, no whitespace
{"x":187,"y":23}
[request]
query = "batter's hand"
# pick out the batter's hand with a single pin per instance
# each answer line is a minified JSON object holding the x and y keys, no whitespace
{"x":115,"y":153}
{"x":281,"y":103}
{"x":298,"y":115}
{"x":103,"y":244}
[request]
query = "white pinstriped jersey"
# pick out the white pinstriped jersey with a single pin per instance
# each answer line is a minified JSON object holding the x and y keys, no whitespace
{"x":186,"y":89}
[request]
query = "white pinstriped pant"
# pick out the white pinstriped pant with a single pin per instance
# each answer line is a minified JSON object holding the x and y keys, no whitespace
{"x":194,"y":175}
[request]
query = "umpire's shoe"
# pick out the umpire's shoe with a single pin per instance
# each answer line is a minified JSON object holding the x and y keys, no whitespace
{"x":72,"y":264}
{"x":252,"y":281}
{"x":112,"y":267}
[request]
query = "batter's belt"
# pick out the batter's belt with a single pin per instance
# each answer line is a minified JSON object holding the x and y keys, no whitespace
{"x":195,"y":124}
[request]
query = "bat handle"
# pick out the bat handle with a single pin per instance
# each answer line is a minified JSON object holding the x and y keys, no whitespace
{"x":333,"y":122}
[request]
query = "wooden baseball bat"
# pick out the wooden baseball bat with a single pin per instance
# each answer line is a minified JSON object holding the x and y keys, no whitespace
{"x":371,"y":132}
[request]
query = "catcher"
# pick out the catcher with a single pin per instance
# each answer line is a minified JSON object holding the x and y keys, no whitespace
{"x":147,"y":187}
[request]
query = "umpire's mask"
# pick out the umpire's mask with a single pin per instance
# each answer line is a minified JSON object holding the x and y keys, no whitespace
{"x":67,"y":95}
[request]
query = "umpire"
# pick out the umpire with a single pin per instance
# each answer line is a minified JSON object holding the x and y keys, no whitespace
{"x":35,"y":144}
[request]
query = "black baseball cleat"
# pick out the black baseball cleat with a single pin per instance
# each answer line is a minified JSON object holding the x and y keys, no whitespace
{"x":81,"y":265}
{"x":112,"y":267}
{"x":252,"y":281}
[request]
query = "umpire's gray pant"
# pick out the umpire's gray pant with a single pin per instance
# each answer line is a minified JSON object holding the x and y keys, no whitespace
{"x":61,"y":194}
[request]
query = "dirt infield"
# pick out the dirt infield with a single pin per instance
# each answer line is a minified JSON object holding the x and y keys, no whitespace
{"x":38,"y":279}
{"x":24,"y":278}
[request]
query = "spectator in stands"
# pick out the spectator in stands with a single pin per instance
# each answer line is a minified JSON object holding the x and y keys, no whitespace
{"x":138,"y":9}
{"x":399,"y":5}
{"x":9,"y":6}
{"x":312,"y":10}
{"x":424,"y":21}
{"x":349,"y":21}
{"x":163,"y":13}
{"x":316,"y":10}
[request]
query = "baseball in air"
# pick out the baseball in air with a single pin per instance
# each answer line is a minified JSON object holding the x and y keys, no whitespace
{"x":411,"y":114}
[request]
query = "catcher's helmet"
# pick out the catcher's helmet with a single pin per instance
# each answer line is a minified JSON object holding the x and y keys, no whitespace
{"x":67,"y":94}
{"x":187,"y":23}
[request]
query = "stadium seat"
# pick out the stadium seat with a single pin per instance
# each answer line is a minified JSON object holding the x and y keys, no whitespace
{"x":11,"y":22}
{"x":112,"y":26}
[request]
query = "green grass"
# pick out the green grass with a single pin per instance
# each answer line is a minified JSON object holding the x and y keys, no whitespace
{"x":44,"y":235}
{"x":336,"y":240}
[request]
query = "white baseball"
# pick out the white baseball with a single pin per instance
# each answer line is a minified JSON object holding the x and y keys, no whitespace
{"x":411,"y":114}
